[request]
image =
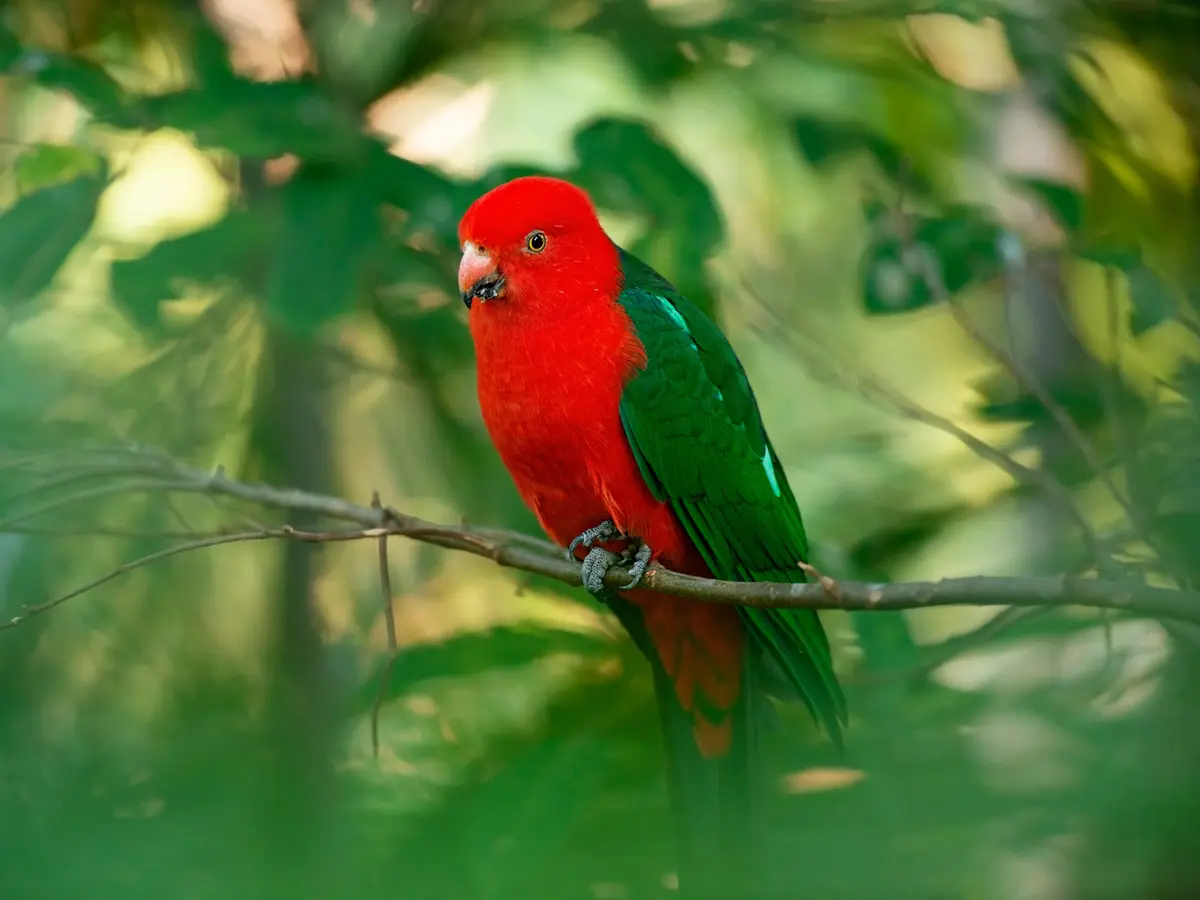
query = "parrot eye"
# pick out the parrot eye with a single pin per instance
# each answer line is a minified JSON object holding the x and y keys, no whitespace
{"x":535,"y":242}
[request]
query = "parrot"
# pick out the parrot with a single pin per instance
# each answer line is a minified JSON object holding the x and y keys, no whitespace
{"x":631,"y":431}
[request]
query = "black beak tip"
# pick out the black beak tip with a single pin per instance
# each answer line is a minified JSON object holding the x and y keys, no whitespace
{"x":489,"y":287}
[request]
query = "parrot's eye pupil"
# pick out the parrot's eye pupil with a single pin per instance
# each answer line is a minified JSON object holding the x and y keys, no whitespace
{"x":536,"y":242}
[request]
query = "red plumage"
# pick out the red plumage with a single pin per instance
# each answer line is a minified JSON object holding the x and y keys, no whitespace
{"x":554,"y":355}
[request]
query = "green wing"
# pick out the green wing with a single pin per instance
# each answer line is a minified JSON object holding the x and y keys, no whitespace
{"x":696,"y":432}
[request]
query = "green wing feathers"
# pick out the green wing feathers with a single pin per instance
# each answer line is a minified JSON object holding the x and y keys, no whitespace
{"x":696,"y":432}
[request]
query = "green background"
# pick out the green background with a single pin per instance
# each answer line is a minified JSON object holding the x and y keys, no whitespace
{"x":229,"y":233}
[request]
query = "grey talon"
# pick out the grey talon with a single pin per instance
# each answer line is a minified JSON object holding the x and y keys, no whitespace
{"x":605,"y":531}
{"x":599,"y":560}
{"x":641,"y":562}
{"x":595,"y":566}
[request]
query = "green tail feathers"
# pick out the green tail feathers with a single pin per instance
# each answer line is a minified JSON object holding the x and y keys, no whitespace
{"x":717,"y":803}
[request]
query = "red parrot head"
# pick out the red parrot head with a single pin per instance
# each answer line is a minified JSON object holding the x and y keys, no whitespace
{"x":534,"y":244}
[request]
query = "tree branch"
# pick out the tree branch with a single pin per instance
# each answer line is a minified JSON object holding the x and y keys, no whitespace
{"x":517,"y":551}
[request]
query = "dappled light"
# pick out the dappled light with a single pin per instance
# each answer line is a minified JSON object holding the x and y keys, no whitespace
{"x":274,"y":619}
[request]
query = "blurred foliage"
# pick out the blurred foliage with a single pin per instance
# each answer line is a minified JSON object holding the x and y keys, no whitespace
{"x":230,"y":231}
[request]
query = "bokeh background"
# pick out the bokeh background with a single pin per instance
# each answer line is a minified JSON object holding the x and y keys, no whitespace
{"x":954,"y":243}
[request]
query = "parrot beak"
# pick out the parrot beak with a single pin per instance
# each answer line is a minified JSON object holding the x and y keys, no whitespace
{"x":478,"y":276}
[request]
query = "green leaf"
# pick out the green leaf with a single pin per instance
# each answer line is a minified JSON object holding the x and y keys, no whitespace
{"x":89,"y":84}
{"x":824,"y":142}
{"x":407,"y":269}
{"x":891,"y":284}
{"x":521,"y":819}
{"x":40,"y":230}
{"x":627,"y":166}
{"x":966,"y":243}
{"x":1117,"y":257}
{"x":1064,"y":201}
{"x":908,"y":256}
{"x":331,"y":232}
{"x":48,"y":164}
{"x":205,"y":256}
{"x":365,"y":54}
{"x":1152,"y":299}
{"x":1005,"y":399}
{"x":209,"y":52}
{"x":478,"y":652}
{"x":970,"y":10}
{"x":261,"y":120}
{"x":652,"y":48}
{"x":432,"y":202}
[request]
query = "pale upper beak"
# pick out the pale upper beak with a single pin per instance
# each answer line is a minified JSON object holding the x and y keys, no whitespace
{"x":478,"y":276}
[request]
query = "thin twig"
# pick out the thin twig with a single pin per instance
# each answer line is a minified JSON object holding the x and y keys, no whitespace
{"x":236,"y":537}
{"x":872,"y":388}
{"x":1057,"y":411}
{"x":37,"y":609}
{"x":1110,"y":389}
{"x":389,"y":618}
{"x":56,"y":459}
{"x":939,"y":654}
{"x":108,"y":490}
{"x":829,"y":584}
{"x":932,"y":276}
{"x":937,"y":286}
{"x":178,"y":514}
{"x":63,"y":478}
{"x":72,"y":531}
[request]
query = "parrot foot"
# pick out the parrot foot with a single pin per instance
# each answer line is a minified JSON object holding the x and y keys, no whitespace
{"x":595,"y":566}
{"x":605,"y":531}
{"x":598,"y":561}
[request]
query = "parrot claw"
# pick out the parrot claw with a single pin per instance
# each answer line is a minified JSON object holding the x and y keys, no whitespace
{"x":641,"y":562}
{"x":598,"y":561}
{"x":605,"y":531}
{"x":595,"y":566}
